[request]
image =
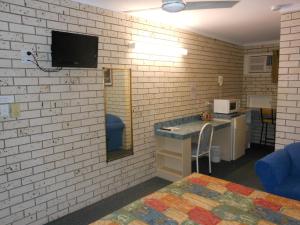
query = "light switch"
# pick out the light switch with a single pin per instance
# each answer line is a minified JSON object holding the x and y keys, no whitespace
{"x":15,"y":110}
{"x":6,"y":99}
{"x":4,"y":111}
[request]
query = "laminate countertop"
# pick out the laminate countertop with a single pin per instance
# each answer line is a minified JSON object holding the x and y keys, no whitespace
{"x":188,"y":129}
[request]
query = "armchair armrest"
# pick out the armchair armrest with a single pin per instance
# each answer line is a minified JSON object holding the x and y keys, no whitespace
{"x":273,"y":169}
{"x":294,"y":153}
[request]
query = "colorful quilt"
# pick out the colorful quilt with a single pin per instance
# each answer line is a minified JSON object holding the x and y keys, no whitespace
{"x":200,"y":199}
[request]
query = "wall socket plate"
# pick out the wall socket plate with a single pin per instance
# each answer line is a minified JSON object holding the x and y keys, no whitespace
{"x":220,"y":80}
{"x":4,"y":99}
{"x":25,"y":58}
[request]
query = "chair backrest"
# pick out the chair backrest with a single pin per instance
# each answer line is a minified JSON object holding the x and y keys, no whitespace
{"x":267,"y":115}
{"x":205,"y":138}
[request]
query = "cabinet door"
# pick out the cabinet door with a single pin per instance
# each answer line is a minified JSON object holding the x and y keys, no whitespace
{"x":240,"y":132}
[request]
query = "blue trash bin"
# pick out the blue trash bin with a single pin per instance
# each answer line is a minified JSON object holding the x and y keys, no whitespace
{"x":114,"y":132}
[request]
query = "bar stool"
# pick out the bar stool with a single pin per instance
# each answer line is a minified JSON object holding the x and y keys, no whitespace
{"x":203,"y":147}
{"x":267,"y":117}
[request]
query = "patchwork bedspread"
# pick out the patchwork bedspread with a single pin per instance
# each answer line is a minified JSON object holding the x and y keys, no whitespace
{"x":200,"y":199}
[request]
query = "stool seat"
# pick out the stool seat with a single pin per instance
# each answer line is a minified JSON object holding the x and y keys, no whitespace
{"x":267,"y":117}
{"x":267,"y":121}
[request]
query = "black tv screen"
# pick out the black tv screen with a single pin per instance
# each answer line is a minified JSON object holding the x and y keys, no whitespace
{"x":74,"y":50}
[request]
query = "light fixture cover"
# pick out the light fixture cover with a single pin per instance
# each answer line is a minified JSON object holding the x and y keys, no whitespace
{"x":156,"y":48}
{"x":173,"y":5}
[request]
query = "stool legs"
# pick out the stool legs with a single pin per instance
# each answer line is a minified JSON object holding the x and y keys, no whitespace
{"x":266,"y":134}
{"x":261,"y":132}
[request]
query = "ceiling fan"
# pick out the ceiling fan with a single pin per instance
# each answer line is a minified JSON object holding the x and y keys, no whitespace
{"x":173,"y":6}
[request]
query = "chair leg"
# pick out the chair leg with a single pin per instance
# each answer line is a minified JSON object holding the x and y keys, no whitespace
{"x":274,"y":135}
{"x":197,"y":164}
{"x":209,"y":162}
{"x":261,"y":132}
{"x":266,"y":134}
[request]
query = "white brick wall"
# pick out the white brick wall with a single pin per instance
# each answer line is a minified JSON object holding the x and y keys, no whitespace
{"x":287,"y":129}
{"x":53,"y":158}
{"x":259,"y":84}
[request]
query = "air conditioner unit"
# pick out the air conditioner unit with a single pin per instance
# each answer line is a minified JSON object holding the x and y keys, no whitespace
{"x":258,"y":63}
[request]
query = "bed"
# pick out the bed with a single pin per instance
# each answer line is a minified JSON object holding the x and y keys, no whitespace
{"x":201,"y":199}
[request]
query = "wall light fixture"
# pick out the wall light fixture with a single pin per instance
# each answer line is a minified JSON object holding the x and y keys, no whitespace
{"x":160,"y":48}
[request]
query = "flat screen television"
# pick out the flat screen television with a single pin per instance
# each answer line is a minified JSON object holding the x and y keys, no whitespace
{"x":74,"y":50}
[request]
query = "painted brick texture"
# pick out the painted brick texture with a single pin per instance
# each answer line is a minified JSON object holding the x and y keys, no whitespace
{"x":53,"y":157}
{"x":288,"y":117}
{"x":259,"y":84}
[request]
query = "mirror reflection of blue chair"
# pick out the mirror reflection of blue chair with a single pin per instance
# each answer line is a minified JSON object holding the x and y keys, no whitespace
{"x":114,"y":132}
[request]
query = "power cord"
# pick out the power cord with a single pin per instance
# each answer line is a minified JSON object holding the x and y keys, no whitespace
{"x":50,"y":70}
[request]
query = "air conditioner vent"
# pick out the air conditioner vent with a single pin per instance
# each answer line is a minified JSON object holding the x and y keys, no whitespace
{"x":259,"y":63}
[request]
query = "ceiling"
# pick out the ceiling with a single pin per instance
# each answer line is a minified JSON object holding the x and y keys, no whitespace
{"x":248,"y":22}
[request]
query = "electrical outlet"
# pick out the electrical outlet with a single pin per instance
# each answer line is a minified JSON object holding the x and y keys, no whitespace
{"x":25,"y":57}
{"x":220,"y":80}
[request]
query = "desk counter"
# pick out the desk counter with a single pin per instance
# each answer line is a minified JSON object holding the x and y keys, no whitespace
{"x":173,"y":147}
{"x":186,"y":130}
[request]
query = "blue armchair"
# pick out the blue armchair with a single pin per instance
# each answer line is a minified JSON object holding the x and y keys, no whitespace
{"x":279,"y":172}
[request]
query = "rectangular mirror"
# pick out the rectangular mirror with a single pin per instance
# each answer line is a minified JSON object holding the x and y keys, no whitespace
{"x":118,"y":113}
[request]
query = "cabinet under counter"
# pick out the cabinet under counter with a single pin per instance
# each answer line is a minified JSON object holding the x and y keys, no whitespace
{"x":174,"y":146}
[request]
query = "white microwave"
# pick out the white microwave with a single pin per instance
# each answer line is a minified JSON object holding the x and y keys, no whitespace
{"x":226,"y":106}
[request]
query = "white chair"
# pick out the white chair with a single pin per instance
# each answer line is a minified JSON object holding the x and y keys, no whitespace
{"x":204,"y":145}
